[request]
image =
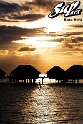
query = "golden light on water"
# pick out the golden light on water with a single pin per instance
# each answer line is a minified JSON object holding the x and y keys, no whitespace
{"x":29,"y":37}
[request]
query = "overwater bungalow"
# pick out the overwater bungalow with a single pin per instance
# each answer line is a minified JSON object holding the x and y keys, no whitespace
{"x":2,"y":75}
{"x":56,"y":73}
{"x":24,"y":74}
{"x":74,"y":73}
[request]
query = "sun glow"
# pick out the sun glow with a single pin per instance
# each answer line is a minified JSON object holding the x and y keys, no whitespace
{"x":43,"y":43}
{"x":54,"y":25}
{"x":50,"y":25}
{"x":40,"y":43}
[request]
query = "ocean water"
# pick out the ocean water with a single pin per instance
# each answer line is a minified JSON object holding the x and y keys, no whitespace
{"x":45,"y":104}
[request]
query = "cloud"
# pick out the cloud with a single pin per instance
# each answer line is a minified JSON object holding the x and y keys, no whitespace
{"x":6,"y":7}
{"x":68,"y":50}
{"x":8,"y":11}
{"x":26,"y":49}
{"x":77,"y":39}
{"x":7,"y":20}
{"x":72,"y":44}
{"x":29,"y":17}
{"x":77,"y":26}
{"x":28,"y":11}
{"x":41,"y":6}
{"x":68,"y":45}
{"x":67,"y":34}
{"x":43,"y":2}
{"x":3,"y":52}
{"x":8,"y":34}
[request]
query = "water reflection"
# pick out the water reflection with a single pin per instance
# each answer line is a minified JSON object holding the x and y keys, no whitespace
{"x":52,"y":105}
{"x":38,"y":105}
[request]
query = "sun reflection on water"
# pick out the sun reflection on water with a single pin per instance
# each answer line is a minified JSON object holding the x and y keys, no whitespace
{"x":49,"y":104}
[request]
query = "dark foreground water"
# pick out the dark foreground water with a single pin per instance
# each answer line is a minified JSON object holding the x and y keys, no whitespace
{"x":48,"y":104}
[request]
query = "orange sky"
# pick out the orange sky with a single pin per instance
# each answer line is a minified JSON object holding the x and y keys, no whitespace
{"x":28,"y":36}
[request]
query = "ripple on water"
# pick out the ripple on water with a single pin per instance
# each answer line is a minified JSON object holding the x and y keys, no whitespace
{"x":34,"y":105}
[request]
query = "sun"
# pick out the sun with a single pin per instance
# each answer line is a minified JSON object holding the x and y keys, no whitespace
{"x":51,"y":25}
{"x":55,"y":24}
{"x":43,"y":42}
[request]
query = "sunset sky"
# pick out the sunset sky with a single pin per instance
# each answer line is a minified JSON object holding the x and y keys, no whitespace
{"x":28,"y":36}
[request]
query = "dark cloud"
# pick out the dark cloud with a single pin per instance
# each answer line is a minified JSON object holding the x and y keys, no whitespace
{"x":12,"y":33}
{"x":43,"y":2}
{"x":26,"y":49}
{"x":77,"y":39}
{"x":25,"y":7}
{"x":73,"y":43}
{"x":67,"y":34}
{"x":42,"y":6}
{"x":8,"y":34}
{"x":13,"y":12}
{"x":77,"y":26}
{"x":8,"y":11}
{"x":29,"y":17}
{"x":28,"y":11}
{"x":6,"y":7}
{"x":70,"y":48}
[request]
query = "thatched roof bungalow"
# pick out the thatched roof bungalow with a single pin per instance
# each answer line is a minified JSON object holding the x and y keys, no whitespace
{"x":75,"y":72}
{"x":23,"y":72}
{"x":2,"y":74}
{"x":56,"y":73}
